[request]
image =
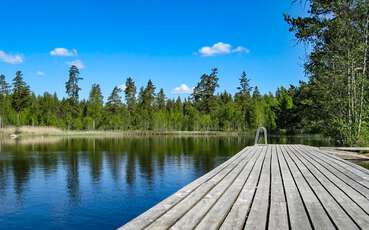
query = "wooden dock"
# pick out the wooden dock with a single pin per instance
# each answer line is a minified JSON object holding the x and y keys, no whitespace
{"x":269,"y":187}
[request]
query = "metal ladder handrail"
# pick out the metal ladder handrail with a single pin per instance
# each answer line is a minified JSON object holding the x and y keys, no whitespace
{"x":258,"y":134}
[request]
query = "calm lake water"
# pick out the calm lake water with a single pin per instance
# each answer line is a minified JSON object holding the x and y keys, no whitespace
{"x":90,"y":183}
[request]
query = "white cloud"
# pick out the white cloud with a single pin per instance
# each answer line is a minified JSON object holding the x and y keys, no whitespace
{"x":63,"y":52}
{"x":182,"y":89}
{"x":11,"y":59}
{"x":40,"y":73}
{"x":217,"y":49}
{"x":240,"y":49}
{"x":78,"y":63}
{"x":221,"y":48}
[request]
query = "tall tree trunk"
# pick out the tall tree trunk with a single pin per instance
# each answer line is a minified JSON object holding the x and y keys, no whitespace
{"x":349,"y":90}
{"x":363,"y":75}
{"x":18,"y":119}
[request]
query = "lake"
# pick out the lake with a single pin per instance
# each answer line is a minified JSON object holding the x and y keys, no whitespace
{"x":89,"y":183}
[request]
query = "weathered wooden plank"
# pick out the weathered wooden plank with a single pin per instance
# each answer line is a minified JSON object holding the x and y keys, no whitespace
{"x":158,"y":210}
{"x":341,"y":169}
{"x":298,"y":214}
{"x":337,"y":213}
{"x":345,"y":201}
{"x":347,"y":185}
{"x":237,"y":216}
{"x":216,"y":215}
{"x":318,"y":215}
{"x":197,"y":212}
{"x":174,"y":214}
{"x":269,"y":187}
{"x":278,"y":215}
{"x":353,"y":149}
{"x":334,"y":169}
{"x":345,"y":154}
{"x":258,"y":217}
{"x":355,"y":169}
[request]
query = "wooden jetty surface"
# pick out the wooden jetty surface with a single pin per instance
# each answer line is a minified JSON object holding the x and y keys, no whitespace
{"x":268,"y":187}
{"x":352,"y":149}
{"x":347,"y":154}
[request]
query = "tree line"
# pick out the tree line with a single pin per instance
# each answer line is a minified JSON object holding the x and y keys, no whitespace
{"x":290,"y":110}
{"x":145,"y":108}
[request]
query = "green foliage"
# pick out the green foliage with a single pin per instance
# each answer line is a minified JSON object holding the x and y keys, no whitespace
{"x":147,"y":96}
{"x":71,"y":86}
{"x":95,"y":106}
{"x":130,"y":96}
{"x":114,"y":102}
{"x":21,"y":94}
{"x":283,"y":108}
{"x":244,"y":89}
{"x":289,"y":109}
{"x":5,"y":102}
{"x":4,"y":86}
{"x":160,"y":100}
{"x":338,"y":87}
{"x":146,"y":111}
{"x":203,"y":93}
{"x":243,"y":100}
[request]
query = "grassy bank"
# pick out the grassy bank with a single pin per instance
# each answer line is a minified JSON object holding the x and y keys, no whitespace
{"x":29,"y":131}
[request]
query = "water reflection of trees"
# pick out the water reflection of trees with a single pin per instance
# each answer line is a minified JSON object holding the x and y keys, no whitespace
{"x":3,"y":176}
{"x":146,"y":158}
{"x":71,"y":164}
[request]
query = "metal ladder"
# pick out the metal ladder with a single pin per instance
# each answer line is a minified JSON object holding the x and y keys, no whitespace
{"x":258,"y":134}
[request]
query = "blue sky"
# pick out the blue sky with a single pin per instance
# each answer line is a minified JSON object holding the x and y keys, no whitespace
{"x":170,"y":42}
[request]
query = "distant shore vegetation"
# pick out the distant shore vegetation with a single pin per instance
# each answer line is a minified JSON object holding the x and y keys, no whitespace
{"x":150,"y":111}
{"x":145,"y":108}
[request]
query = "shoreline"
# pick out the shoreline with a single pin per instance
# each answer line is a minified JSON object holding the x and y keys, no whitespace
{"x":27,"y":131}
{"x":39,"y":131}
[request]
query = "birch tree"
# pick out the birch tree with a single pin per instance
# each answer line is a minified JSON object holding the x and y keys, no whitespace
{"x":337,"y":32}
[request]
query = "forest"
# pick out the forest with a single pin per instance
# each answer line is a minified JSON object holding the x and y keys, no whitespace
{"x":145,"y":108}
{"x":332,"y":101}
{"x":150,"y":109}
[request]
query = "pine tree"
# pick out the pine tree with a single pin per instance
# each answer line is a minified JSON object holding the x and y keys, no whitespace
{"x":160,"y":100}
{"x":71,"y":86}
{"x":20,"y":95}
{"x":95,"y":104}
{"x":203,"y":93}
{"x":146,"y":103}
{"x":243,"y":99}
{"x":256,"y":93}
{"x":4,"y":91}
{"x":244,"y":89}
{"x":148,"y":96}
{"x":4,"y":86}
{"x":130,"y":94}
{"x":114,"y":102}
